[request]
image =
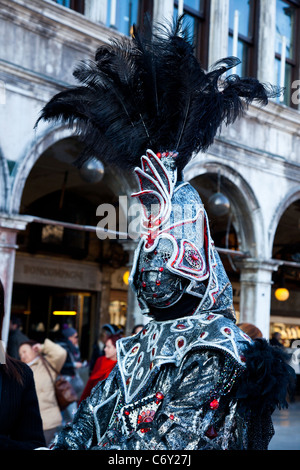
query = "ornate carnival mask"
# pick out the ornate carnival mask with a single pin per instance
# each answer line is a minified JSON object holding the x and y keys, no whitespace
{"x":176,"y":254}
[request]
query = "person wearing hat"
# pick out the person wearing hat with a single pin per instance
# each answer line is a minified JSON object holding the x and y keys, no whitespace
{"x":69,"y":342}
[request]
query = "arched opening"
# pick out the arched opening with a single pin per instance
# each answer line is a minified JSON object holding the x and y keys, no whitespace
{"x":60,"y":269}
{"x":285,"y":304}
{"x":232,"y":230}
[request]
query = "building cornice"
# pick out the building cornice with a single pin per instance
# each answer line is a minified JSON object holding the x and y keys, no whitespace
{"x":50,"y":19}
{"x":275,"y":115}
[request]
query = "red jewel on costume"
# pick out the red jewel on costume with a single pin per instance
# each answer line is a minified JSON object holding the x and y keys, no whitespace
{"x":180,"y":343}
{"x":180,"y":326}
{"x":214,"y":404}
{"x":227,"y":331}
{"x":211,"y":432}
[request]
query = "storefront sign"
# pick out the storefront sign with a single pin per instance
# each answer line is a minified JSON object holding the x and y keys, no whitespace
{"x":45,"y":271}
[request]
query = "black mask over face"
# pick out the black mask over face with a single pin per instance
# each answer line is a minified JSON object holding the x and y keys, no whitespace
{"x":185,"y":307}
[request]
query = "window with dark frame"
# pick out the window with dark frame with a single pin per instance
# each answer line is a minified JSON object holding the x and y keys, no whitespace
{"x":286,"y":54}
{"x":242,"y":35}
{"x":126,"y":13}
{"x":76,"y":5}
{"x":145,"y":9}
{"x":196,"y":20}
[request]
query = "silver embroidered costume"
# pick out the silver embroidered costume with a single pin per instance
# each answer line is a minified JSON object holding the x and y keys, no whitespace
{"x":171,"y":387}
{"x":170,"y":390}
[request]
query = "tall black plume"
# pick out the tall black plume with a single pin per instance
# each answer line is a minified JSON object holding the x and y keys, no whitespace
{"x":149,"y":91}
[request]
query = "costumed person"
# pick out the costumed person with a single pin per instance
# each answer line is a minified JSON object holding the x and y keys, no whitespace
{"x":191,"y":379}
{"x":103,"y":366}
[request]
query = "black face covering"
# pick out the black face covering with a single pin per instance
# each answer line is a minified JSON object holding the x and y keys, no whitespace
{"x":183,"y":308}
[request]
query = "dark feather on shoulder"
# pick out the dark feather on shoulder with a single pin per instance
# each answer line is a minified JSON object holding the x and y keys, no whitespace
{"x":267,"y":379}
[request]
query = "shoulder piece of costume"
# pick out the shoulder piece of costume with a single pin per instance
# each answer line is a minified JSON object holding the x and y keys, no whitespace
{"x":141,"y":356}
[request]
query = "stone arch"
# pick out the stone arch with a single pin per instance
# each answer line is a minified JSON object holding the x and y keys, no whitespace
{"x":4,"y":183}
{"x":32,"y":154}
{"x":291,"y":197}
{"x":245,"y":207}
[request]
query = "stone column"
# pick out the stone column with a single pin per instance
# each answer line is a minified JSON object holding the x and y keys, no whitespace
{"x":134,"y":315}
{"x":255,"y":293}
{"x":266,"y":41}
{"x":9,"y":228}
{"x":96,"y":10}
{"x":218,"y":34}
{"x":163,"y":11}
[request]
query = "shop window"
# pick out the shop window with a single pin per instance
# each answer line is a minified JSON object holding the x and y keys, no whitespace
{"x":77,"y":5}
{"x":118,"y":311}
{"x":286,"y":56}
{"x":122,"y":14}
{"x":242,"y":35}
{"x":196,"y":21}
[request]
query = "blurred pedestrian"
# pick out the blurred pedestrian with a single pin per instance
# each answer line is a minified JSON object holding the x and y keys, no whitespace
{"x":136,"y":329}
{"x":20,"y":419}
{"x":275,"y":340}
{"x":103,"y":366}
{"x":251,"y":330}
{"x":15,"y":337}
{"x":107,"y":330}
{"x":45,"y":361}
{"x":73,"y":363}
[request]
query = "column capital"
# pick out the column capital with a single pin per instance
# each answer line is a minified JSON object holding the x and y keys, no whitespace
{"x":255,"y":264}
{"x":13,"y":222}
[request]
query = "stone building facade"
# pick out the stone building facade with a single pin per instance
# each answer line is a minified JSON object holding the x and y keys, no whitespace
{"x":48,"y":239}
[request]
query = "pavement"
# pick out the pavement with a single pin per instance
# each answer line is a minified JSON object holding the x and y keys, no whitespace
{"x":287,"y":428}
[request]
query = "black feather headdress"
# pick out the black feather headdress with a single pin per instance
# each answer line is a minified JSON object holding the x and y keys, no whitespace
{"x":149,"y":91}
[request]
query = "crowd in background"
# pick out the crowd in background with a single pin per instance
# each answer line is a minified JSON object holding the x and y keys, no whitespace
{"x":30,"y":411}
{"x":47,"y":361}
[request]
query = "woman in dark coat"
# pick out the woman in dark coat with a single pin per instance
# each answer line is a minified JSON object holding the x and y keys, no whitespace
{"x":20,"y":420}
